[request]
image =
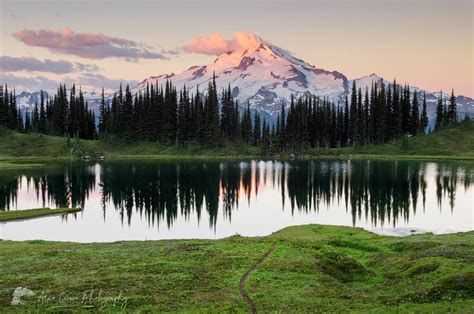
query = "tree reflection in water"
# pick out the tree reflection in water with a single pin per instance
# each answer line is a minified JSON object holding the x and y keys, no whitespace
{"x":382,"y":191}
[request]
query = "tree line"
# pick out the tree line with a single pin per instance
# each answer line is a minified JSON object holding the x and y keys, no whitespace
{"x":183,"y":117}
{"x":59,"y":115}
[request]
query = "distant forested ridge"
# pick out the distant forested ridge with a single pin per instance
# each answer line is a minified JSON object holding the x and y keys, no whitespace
{"x":164,"y":114}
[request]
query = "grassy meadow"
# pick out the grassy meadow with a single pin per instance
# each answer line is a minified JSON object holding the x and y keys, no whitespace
{"x":313,"y":268}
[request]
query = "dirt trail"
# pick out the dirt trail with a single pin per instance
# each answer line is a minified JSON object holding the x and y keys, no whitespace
{"x":243,"y":293}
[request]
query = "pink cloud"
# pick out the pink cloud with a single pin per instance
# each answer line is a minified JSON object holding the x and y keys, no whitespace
{"x":86,"y":45}
{"x":216,"y":44}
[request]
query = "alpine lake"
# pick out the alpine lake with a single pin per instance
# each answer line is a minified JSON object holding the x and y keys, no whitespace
{"x":209,"y":199}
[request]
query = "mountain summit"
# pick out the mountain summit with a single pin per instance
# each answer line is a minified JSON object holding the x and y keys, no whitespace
{"x":264,"y":75}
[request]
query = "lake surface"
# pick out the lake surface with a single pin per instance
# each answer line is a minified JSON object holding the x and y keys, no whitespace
{"x":144,"y":200}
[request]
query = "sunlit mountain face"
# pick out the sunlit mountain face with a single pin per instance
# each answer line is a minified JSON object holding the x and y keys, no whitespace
{"x":263,"y":75}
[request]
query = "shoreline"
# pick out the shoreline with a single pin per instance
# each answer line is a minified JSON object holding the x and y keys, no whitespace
{"x":18,"y":150}
{"x":30,"y":162}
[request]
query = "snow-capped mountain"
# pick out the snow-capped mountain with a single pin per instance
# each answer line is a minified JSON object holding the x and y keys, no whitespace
{"x":26,"y":101}
{"x":266,"y":76}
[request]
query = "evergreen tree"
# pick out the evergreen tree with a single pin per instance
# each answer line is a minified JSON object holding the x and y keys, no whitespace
{"x":20,"y":125}
{"x":452,"y":114}
{"x":256,"y":129}
{"x":35,"y":118}
{"x":74,"y":113}
{"x":439,"y":112}
{"x":345,"y":139}
{"x":357,"y":119}
{"x":380,"y":120}
{"x":424,"y":117}
{"x":13,"y":112}
{"x":353,"y":118}
{"x":42,"y":115}
{"x":226,"y":113}
{"x":211,"y":113}
{"x":265,"y":135}
{"x":333,"y":126}
{"x":372,"y":134}
{"x":396,"y":111}
{"x":415,"y":115}
{"x":339,"y":126}
{"x":127,"y":114}
{"x":188,"y":127}
{"x":82,"y":124}
{"x":445,"y":114}
{"x":199,"y":118}
{"x":154,"y":118}
{"x":103,"y":115}
{"x":92,"y":128}
{"x":59,"y":112}
{"x":282,"y":127}
{"x":3,"y":106}
{"x":365,"y":119}
{"x":182,"y":117}
{"x":236,"y":123}
{"x":405,"y":112}
{"x":246,"y":126}
{"x":27,"y":122}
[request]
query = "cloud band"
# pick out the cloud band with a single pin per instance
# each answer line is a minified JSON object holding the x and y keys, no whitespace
{"x":86,"y":45}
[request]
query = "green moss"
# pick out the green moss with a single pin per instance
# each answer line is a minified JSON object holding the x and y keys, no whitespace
{"x":460,"y":285}
{"x":452,"y":287}
{"x":404,"y":246}
{"x":356,"y":245}
{"x":313,"y":268}
{"x":423,"y":268}
{"x":341,"y":267}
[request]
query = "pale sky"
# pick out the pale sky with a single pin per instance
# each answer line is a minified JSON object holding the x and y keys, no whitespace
{"x":428,"y":44}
